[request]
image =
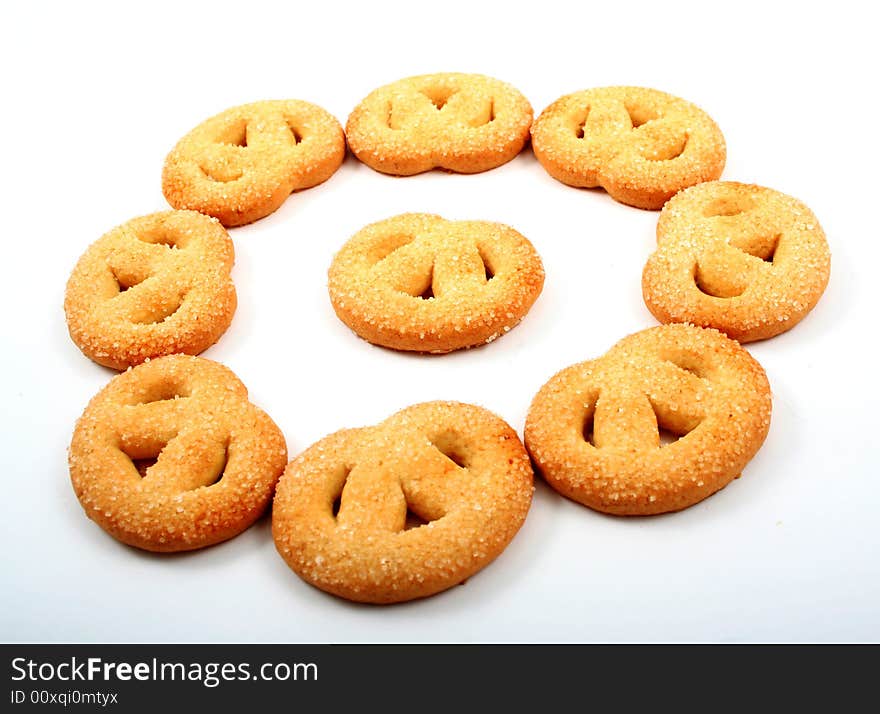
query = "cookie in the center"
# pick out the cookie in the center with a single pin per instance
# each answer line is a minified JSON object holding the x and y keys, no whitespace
{"x":420,"y":283}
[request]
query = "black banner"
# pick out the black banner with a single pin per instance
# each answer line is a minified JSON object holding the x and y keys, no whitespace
{"x":232,"y":677}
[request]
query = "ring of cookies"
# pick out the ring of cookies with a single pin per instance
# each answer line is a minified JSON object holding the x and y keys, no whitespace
{"x":171,"y":455}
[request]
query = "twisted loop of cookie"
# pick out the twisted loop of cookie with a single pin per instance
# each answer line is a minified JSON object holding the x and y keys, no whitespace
{"x":594,"y":430}
{"x":744,"y":259}
{"x":641,"y":145}
{"x":241,"y":164}
{"x":404,"y":509}
{"x":419,"y":282}
{"x":156,"y":285}
{"x":171,"y":456}
{"x":461,"y":122}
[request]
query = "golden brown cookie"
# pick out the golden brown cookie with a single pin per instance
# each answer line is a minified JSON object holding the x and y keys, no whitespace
{"x":404,"y":509}
{"x":156,"y":285}
{"x":744,"y":259}
{"x":421,"y":283}
{"x":460,"y":122}
{"x":172,"y":456}
{"x":241,"y":164}
{"x":664,"y":419}
{"x":640,"y":145}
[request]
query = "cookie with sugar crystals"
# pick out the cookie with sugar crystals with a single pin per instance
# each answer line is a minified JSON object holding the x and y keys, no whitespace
{"x":667,"y":417}
{"x":241,"y":164}
{"x":641,"y":145}
{"x":464,"y":123}
{"x":744,"y":259}
{"x":171,"y":456}
{"x":404,"y":509}
{"x":156,"y":285}
{"x":418,"y":282}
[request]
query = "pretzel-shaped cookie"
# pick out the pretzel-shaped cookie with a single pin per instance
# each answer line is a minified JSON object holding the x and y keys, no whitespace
{"x":640,"y":145}
{"x":593,"y":430}
{"x":744,"y":259}
{"x":171,"y":456}
{"x":460,"y":122}
{"x":404,"y":509}
{"x":241,"y":164}
{"x":421,"y":283}
{"x":156,"y":285}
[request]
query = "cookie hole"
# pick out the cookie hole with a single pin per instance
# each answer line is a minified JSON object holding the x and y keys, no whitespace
{"x":581,"y":124}
{"x":587,"y":428}
{"x":447,"y":444}
{"x":413,"y":520}
{"x":164,"y":391}
{"x":143,"y":457}
{"x":688,"y":365}
{"x":125,"y":282}
{"x":713,"y":289}
{"x":209,"y":473}
{"x":487,"y":267}
{"x":235,"y":134}
{"x":673,"y":424}
{"x":763,"y":248}
{"x":639,"y":116}
{"x":669,"y":436}
{"x":216,"y":473}
{"x":771,"y":256}
{"x":724,"y":206}
{"x":143,"y":462}
{"x":342,"y":478}
{"x":144,"y":465}
{"x":439,"y":96}
{"x":455,"y":458}
{"x":424,"y":289}
{"x":296,"y":133}
{"x":486,"y":117}
{"x":222,"y":173}
{"x":670,"y":430}
{"x":160,"y":235}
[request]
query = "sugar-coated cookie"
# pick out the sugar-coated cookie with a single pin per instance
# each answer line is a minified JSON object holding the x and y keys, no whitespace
{"x":640,"y":145}
{"x":404,"y":509}
{"x":664,"y":419}
{"x":156,"y":285}
{"x":460,"y":122}
{"x":241,"y":164}
{"x":172,"y":456}
{"x":420,"y":283}
{"x":744,"y":259}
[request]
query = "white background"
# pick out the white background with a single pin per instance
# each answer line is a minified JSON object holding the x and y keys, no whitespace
{"x":94,"y":97}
